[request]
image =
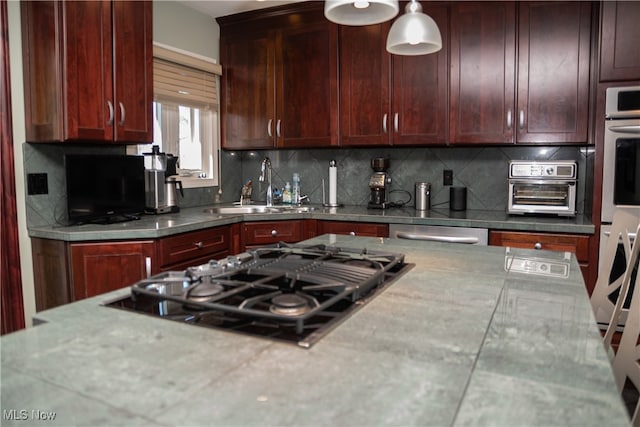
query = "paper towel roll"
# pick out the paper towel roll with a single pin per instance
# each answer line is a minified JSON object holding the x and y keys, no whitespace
{"x":333,"y":185}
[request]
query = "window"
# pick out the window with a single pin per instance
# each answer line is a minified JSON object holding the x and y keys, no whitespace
{"x":185,"y":113}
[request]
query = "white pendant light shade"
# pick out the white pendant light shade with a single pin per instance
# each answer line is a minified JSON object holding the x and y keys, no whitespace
{"x":360,"y":12}
{"x":414,"y":33}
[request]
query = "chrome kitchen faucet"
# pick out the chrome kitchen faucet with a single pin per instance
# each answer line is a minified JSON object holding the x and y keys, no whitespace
{"x":265,"y":174}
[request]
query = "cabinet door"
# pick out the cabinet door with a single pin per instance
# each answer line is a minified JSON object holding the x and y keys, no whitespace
{"x":619,"y":56}
{"x":67,"y":70}
{"x":50,"y":273}
{"x":133,"y":68}
{"x":364,"y":85}
{"x":419,"y":91}
{"x":553,"y":72}
{"x":248,"y":92}
{"x":307,"y":86}
{"x":89,"y":70}
{"x":482,"y":72}
{"x":97,"y":268}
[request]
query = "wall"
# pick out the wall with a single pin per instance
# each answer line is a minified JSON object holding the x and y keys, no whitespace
{"x":184,"y":28}
{"x":17,"y":111}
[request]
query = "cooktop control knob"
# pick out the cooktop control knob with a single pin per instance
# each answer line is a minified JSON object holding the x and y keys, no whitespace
{"x":550,"y":170}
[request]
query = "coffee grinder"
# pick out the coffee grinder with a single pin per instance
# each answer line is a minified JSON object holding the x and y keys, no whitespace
{"x":379,"y":183}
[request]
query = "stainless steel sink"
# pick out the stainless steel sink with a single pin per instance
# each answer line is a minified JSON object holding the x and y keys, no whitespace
{"x":257,"y":209}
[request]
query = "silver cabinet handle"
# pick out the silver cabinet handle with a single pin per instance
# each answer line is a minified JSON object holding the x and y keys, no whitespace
{"x":384,"y":123}
{"x":395,"y":123}
{"x":521,"y":119}
{"x":110,"y":105}
{"x":352,"y":233}
{"x":437,"y":238}
{"x":274,"y":233}
{"x":538,"y":245}
{"x":509,"y":119}
{"x":269,"y":128}
{"x":147,"y":265}
{"x":278,"y":128}
{"x":121,"y":114}
{"x":198,"y":245}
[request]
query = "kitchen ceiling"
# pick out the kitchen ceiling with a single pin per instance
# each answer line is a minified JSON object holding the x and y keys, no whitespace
{"x":216,"y":8}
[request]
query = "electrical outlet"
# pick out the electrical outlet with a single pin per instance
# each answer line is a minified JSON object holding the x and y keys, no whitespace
{"x":447,"y":177}
{"x":37,"y":184}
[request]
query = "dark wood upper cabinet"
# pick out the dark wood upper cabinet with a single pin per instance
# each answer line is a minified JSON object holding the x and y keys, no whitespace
{"x":248,"y":92}
{"x":420,"y":89}
{"x":482,"y":72}
{"x":88,"y":71}
{"x":390,"y":99}
{"x":553,"y":72}
{"x":540,"y":95}
{"x":365,"y":67}
{"x":620,"y":41}
{"x":280,"y":84}
{"x":307,"y":86}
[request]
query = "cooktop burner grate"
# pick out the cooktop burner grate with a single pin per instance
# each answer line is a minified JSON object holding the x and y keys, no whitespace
{"x":286,"y":292}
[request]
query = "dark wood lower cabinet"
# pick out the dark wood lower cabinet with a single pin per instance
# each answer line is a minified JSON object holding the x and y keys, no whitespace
{"x":353,"y":228}
{"x":97,"y":268}
{"x":576,"y":243}
{"x":268,"y":232}
{"x":66,"y":271}
{"x":51,"y":273}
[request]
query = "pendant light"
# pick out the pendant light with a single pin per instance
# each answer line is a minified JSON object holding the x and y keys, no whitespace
{"x":360,"y":12}
{"x":414,"y":33}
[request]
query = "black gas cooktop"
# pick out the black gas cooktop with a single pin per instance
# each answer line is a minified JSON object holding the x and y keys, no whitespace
{"x":291,"y":293}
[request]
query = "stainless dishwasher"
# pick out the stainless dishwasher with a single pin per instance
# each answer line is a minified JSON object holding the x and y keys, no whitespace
{"x":437,"y":233}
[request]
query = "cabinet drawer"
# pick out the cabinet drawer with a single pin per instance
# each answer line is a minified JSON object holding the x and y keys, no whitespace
{"x":576,"y":243}
{"x":192,"y":246}
{"x":353,"y":228}
{"x":256,"y":233}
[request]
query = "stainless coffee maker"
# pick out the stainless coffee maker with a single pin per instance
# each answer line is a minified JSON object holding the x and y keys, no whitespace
{"x":160,"y":182}
{"x":379,"y":183}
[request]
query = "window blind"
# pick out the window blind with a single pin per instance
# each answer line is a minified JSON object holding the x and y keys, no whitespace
{"x":184,"y":79}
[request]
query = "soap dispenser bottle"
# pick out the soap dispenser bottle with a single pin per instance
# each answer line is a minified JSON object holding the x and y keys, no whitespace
{"x":286,"y":194}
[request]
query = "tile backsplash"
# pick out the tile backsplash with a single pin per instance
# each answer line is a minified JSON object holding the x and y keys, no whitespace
{"x":483,"y":170}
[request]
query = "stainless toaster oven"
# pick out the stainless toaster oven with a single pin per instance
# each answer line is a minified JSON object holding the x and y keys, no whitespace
{"x":547,"y":187}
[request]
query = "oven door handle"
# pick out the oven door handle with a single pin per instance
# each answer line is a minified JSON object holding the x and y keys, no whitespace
{"x":437,"y":238}
{"x":633,"y":129}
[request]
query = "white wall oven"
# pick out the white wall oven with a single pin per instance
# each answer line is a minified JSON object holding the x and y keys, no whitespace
{"x":621,"y":168}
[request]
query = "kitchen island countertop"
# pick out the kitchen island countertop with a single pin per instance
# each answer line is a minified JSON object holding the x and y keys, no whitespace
{"x":197,"y":218}
{"x":457,"y":340}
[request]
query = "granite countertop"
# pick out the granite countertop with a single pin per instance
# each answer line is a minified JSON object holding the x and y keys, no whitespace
{"x":457,"y":341}
{"x":191,"y":219}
